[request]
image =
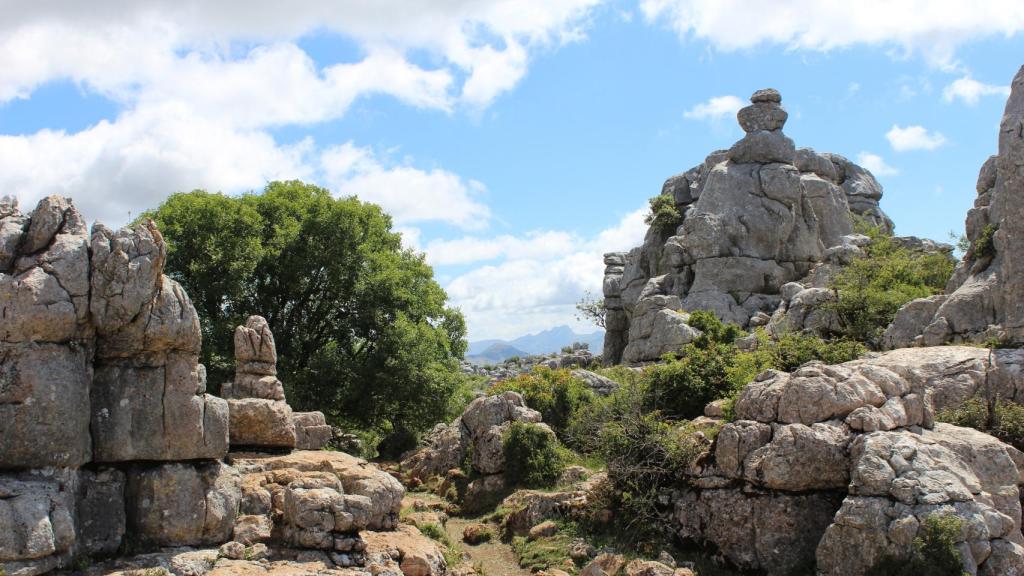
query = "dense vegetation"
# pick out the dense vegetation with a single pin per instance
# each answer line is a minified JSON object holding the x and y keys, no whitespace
{"x":362,"y":329}
{"x":870,"y":290}
{"x":532,"y":456}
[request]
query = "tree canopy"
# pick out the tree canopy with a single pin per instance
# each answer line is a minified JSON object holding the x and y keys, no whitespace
{"x":362,"y":329}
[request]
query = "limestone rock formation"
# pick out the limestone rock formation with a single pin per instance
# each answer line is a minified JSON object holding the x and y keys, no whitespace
{"x":984,"y":299}
{"x":478,"y":432}
{"x":840,"y":464}
{"x":108,"y":438}
{"x":753,"y":218}
{"x":260,"y":415}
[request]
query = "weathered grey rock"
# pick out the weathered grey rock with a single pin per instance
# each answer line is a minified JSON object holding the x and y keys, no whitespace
{"x":161,"y":412}
{"x":100,"y":511}
{"x":356,"y":494}
{"x":478,"y":431}
{"x":44,"y":406}
{"x":183,"y":504}
{"x":984,"y":299}
{"x":774,"y":532}
{"x":598,"y":384}
{"x":311,"y":430}
{"x":900,"y":478}
{"x":37,"y":520}
{"x":256,"y":422}
{"x":861,"y":434}
{"x":755,"y":218}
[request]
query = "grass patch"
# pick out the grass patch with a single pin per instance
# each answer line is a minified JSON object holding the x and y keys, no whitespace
{"x":544,"y":553}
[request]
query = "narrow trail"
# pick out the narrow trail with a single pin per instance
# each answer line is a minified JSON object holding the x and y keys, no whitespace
{"x":496,"y":557}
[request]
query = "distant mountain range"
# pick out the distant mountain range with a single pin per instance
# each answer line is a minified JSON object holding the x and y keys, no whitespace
{"x":553,"y":340}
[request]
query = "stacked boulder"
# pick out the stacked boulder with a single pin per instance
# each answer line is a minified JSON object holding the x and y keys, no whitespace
{"x":838,"y":466}
{"x":108,"y":439}
{"x":753,"y":218}
{"x":260,"y":416}
{"x":984,"y":299}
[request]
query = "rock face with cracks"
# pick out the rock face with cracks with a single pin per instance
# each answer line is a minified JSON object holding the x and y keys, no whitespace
{"x":839,"y":465}
{"x":752,"y":219}
{"x":108,"y":439}
{"x":984,"y":299}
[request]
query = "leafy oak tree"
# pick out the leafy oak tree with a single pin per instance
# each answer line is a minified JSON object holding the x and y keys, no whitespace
{"x":362,"y":329}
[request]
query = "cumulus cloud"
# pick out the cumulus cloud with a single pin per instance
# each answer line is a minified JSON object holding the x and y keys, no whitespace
{"x":907,"y":138}
{"x":407,"y":193}
{"x":876,"y":164}
{"x":715,"y":109}
{"x":123,"y":48}
{"x":200,"y":86}
{"x":118,"y":168}
{"x":969,"y":90}
{"x":933,"y":28}
{"x":536,"y":280}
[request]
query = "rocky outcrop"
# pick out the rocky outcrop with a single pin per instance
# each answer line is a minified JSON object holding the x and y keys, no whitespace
{"x":108,"y":439}
{"x":984,"y":299}
{"x":260,"y":415}
{"x":753,"y":218}
{"x":839,"y":465}
{"x":478,"y":432}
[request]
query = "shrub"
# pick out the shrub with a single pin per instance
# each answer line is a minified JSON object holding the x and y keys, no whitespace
{"x":1002,"y":419}
{"x":713,"y":329}
{"x":984,"y":246}
{"x":556,"y":394}
{"x":663,"y":214}
{"x":532,"y":456}
{"x":872,"y":288}
{"x":681,"y":388}
{"x":934,"y":552}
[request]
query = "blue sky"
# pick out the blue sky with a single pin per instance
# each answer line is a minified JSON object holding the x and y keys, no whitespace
{"x":513,"y":141}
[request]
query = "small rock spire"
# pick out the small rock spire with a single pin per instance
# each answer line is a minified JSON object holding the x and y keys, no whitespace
{"x":765,"y":112}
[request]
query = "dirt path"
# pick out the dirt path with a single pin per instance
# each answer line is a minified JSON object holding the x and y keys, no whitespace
{"x":496,"y":557}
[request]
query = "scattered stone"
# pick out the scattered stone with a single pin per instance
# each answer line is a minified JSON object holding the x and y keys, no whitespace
{"x":477,"y":533}
{"x":543,"y":530}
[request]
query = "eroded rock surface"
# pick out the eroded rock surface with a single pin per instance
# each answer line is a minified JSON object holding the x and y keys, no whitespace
{"x":984,"y":299}
{"x":840,"y":464}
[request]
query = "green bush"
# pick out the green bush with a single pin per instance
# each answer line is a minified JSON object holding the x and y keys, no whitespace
{"x":556,"y":394}
{"x":663,"y":214}
{"x":532,"y":456}
{"x":984,"y":245}
{"x":934,"y":552}
{"x":713,"y":329}
{"x":871,"y":289}
{"x":681,"y":388}
{"x":1003,"y":419}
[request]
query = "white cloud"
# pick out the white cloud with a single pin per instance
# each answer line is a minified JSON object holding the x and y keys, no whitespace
{"x":201,"y":84}
{"x":190,"y":48}
{"x":970,"y":90}
{"x":407,"y":193}
{"x":914,"y":138}
{"x":934,"y":28}
{"x":538,"y":280}
{"x":715,"y":109}
{"x":876,"y":164}
{"x":133,"y":163}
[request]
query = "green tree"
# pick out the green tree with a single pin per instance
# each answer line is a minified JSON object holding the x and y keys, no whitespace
{"x":362,"y":329}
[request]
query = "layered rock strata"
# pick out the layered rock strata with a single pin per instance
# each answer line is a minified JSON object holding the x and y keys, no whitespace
{"x":753,"y":218}
{"x":838,"y":466}
{"x":984,"y":300}
{"x":108,"y":439}
{"x":260,"y":415}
